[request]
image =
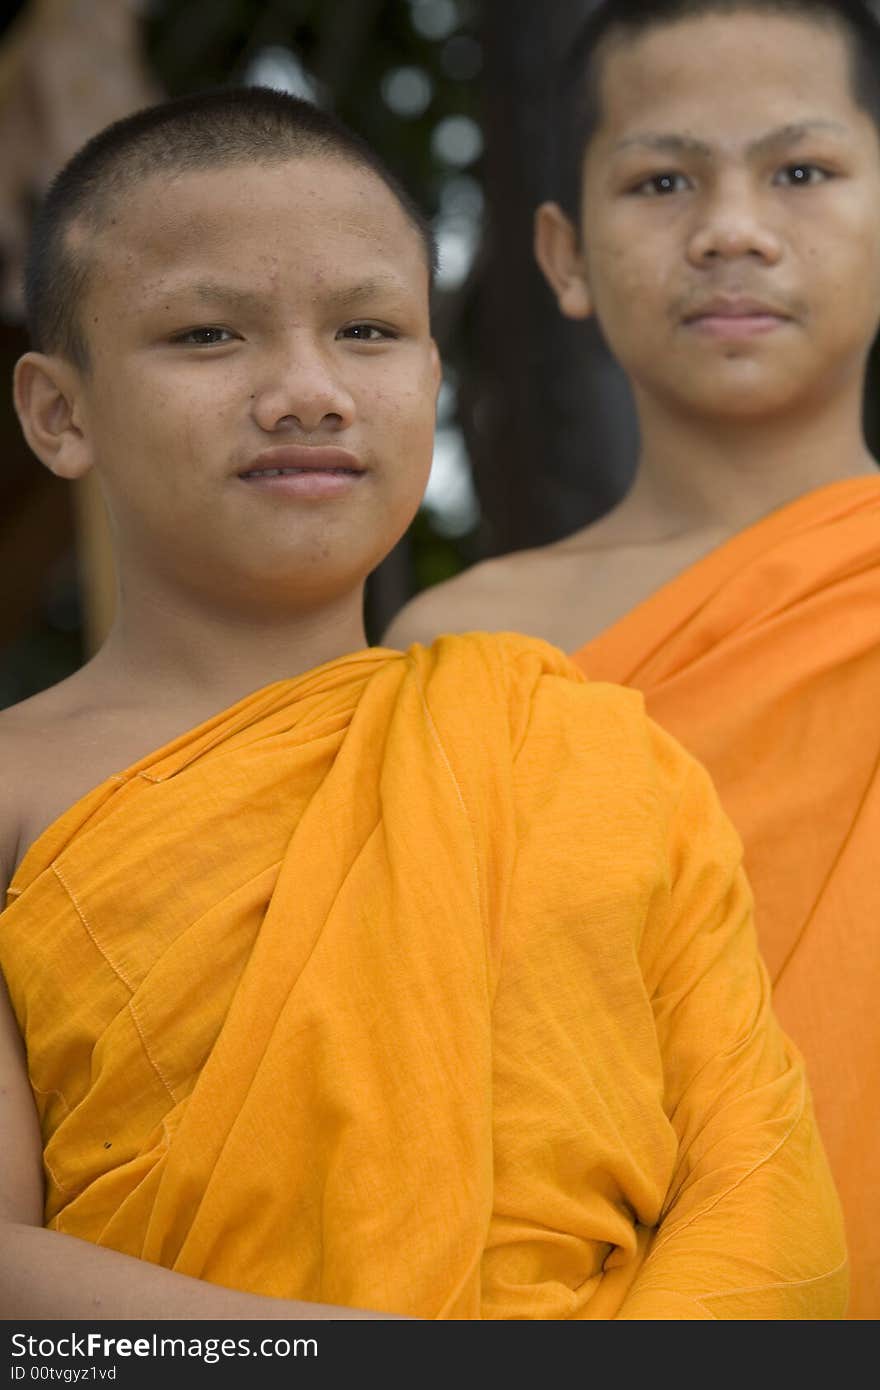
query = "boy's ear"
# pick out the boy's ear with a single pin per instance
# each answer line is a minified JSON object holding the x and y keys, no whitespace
{"x":46,"y":395}
{"x":560,"y":256}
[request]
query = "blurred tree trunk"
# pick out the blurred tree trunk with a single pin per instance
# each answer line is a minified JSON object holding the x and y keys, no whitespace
{"x":67,"y":68}
{"x":546,"y":411}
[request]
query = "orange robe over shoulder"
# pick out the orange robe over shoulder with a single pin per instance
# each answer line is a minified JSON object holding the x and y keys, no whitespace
{"x":423,"y":983}
{"x":763,"y":659}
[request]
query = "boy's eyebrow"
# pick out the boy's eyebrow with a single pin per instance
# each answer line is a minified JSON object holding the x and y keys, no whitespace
{"x":665,"y":144}
{"x":217,"y":292}
{"x":688,"y":144}
{"x":365,"y":289}
{"x":798,"y":130}
{"x":229,"y":294}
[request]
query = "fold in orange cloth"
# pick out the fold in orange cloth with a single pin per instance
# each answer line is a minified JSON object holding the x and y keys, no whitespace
{"x":764,"y":660}
{"x":423,"y":983}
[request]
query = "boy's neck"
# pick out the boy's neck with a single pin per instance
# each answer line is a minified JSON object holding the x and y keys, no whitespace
{"x":172,"y":654}
{"x":719,"y":476}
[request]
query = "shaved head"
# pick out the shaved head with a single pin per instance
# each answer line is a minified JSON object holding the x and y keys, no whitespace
{"x":208,"y":130}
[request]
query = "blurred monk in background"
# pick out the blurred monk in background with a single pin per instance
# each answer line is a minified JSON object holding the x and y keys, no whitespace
{"x":720,"y":215}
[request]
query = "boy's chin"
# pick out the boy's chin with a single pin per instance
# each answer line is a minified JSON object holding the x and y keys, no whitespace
{"x":749,"y":400}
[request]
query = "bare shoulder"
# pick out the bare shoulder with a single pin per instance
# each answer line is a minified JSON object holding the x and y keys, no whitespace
{"x":39,"y":766}
{"x":19,"y":726}
{"x":488,"y":597}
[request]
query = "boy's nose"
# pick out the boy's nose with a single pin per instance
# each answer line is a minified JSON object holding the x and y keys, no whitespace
{"x":733,"y":226}
{"x":307,"y":393}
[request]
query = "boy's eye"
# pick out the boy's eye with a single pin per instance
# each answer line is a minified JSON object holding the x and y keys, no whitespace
{"x":209,"y":336}
{"x":660,"y":184}
{"x":366,"y":333}
{"x":801,"y":175}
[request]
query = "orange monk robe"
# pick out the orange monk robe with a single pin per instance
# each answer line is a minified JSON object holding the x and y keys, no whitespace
{"x":764,"y":660}
{"x":423,"y":983}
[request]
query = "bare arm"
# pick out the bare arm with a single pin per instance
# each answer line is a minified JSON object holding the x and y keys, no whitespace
{"x":45,"y":1275}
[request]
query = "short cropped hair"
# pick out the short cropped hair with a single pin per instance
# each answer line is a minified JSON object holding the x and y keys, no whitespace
{"x":205,"y":130}
{"x":578,"y":93}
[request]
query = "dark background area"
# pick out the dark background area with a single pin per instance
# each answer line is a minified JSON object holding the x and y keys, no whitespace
{"x":536,"y":434}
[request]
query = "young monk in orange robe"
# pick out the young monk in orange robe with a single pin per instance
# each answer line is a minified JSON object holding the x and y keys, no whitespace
{"x":412,"y":984}
{"x":727,"y":239}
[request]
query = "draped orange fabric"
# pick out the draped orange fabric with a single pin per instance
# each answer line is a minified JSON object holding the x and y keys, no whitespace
{"x":764,"y":660}
{"x":423,"y":983}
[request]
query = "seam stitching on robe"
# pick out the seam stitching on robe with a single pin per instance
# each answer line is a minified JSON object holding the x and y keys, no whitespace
{"x":698,"y":1300}
{"x":722,"y":1196}
{"x":121,"y":975}
{"x":779,"y":1284}
{"x":40,"y":1091}
{"x":439,"y":742}
{"x":62,"y":1187}
{"x":145,"y":1045}
{"x":702,"y":1299}
{"x":117,"y":971}
{"x":51,"y":1091}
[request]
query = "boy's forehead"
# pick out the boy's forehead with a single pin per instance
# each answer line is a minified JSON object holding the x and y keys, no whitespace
{"x":666,"y":64}
{"x":304,"y":190}
{"x":247,"y":220}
